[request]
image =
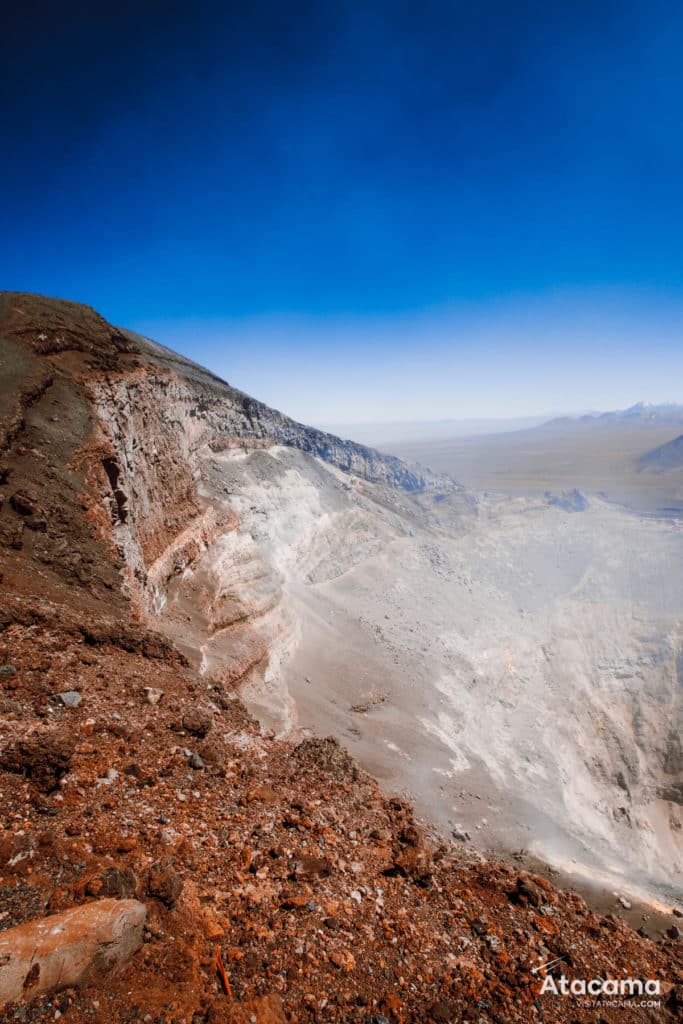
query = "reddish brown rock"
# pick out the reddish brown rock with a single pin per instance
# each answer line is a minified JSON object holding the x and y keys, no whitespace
{"x":308,"y":869}
{"x":44,"y":760}
{"x":197,"y":722}
{"x":164,"y":884}
{"x":69,"y":948}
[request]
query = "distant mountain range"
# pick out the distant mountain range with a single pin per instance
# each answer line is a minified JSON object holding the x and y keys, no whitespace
{"x":427,"y":432}
{"x":378,"y":434}
{"x":646,"y":412}
{"x":668,"y":412}
{"x":653,"y":409}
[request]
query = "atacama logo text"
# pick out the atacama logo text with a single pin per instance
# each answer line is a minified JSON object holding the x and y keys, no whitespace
{"x":611,"y":987}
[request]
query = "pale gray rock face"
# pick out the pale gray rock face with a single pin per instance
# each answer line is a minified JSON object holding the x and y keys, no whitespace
{"x":225,"y":415}
{"x":68,"y":949}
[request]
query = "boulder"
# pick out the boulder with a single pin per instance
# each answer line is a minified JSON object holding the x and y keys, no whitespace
{"x":197,"y":722}
{"x":67,"y":949}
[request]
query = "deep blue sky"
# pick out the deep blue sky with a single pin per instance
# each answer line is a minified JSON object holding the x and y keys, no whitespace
{"x":361,"y":210}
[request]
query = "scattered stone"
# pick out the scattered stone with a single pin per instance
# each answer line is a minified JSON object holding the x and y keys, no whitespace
{"x":197,"y":722}
{"x":69,"y":699}
{"x":626,"y":904}
{"x":480,"y":925}
{"x":164,"y":884}
{"x":15,"y":851}
{"x":674,"y":932}
{"x":195,"y":761}
{"x":342,"y":959}
{"x":152,"y":695}
{"x":527,"y":892}
{"x":119,"y":882}
{"x":23,"y":504}
{"x":414,"y":861}
{"x":7,"y":670}
{"x":44,"y":760}
{"x":291,"y":901}
{"x":212,"y":753}
{"x":308,"y":869}
{"x":69,"y":948}
{"x":327,"y":755}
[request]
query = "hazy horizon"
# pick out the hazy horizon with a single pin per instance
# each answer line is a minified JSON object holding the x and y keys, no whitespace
{"x":562,"y":354}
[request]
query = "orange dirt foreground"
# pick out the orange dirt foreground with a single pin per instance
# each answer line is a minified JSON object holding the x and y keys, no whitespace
{"x":280,"y":883}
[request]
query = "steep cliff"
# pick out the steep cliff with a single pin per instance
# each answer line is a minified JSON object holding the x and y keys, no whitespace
{"x":167,"y":445}
{"x":166,"y":542}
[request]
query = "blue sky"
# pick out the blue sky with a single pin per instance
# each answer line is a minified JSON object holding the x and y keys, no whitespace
{"x":361,"y":211}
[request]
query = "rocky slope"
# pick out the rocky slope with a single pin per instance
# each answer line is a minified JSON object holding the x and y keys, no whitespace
{"x":151,"y":522}
{"x":665,"y":457}
{"x":184,"y":455}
